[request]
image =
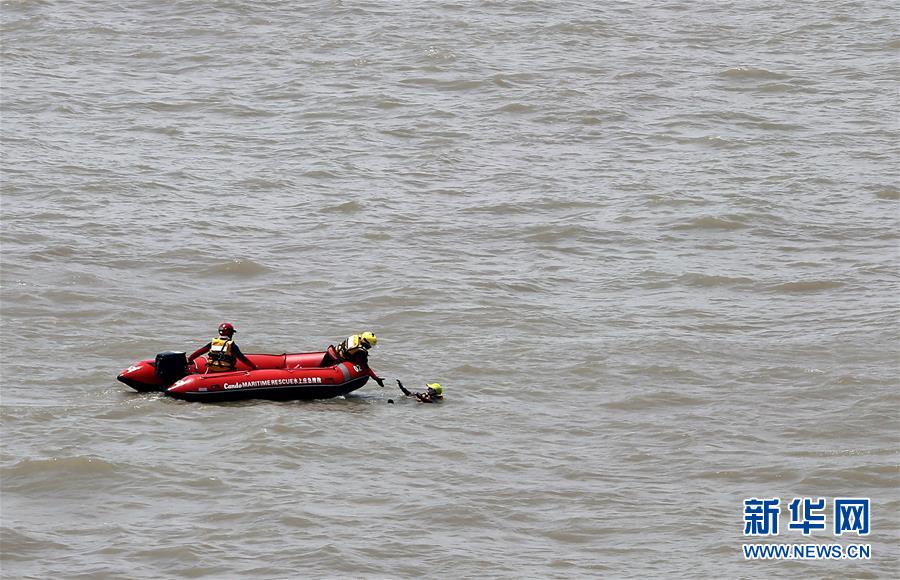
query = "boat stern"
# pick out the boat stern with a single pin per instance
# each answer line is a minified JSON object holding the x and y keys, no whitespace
{"x":141,"y":376}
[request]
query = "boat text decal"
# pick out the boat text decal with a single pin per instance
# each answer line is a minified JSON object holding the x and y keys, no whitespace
{"x":274,"y":383}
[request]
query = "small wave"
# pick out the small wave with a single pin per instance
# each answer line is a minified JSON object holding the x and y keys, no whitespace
{"x":638,"y":75}
{"x":390,"y":103}
{"x":29,"y":471}
{"x":712,"y":281}
{"x":348,"y":207}
{"x":515,"y":108}
{"x":54,"y":251}
{"x":451,"y":85}
{"x":436,"y":54}
{"x":873,"y":476}
{"x":21,"y":547}
{"x":590,"y":120}
{"x":170,"y":107}
{"x":183,"y":554}
{"x":716,"y":142}
{"x":778,"y":88}
{"x":806,"y":286}
{"x":551,"y":234}
{"x":238,"y":268}
{"x":765,"y":475}
{"x":769,"y":126}
{"x":320,"y":174}
{"x":588,"y":28}
{"x":508,"y":80}
{"x":242,"y":110}
{"x":256,"y":184}
{"x":712,"y":223}
{"x":513,"y":288}
{"x":831,"y":453}
{"x":746,"y":72}
{"x":892,"y":194}
{"x":507,"y":208}
{"x":153,"y":185}
{"x":297,"y":521}
{"x":68,"y":109}
{"x":168,"y":131}
{"x":319,"y":115}
{"x":663,"y":199}
{"x":504,"y":208}
{"x":644,"y":402}
{"x":401,"y":132}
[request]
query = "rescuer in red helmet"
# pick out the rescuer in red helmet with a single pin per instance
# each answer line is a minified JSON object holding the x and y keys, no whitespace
{"x":223,"y":352}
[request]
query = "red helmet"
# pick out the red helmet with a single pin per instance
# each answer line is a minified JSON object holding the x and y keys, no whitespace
{"x":227,"y":329}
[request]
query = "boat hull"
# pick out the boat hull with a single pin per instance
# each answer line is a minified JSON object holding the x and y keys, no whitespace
{"x":272,"y":384}
{"x":142,"y":375}
{"x":280,"y":377}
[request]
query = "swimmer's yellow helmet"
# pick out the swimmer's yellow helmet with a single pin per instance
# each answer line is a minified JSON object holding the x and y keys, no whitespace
{"x":436,"y":387}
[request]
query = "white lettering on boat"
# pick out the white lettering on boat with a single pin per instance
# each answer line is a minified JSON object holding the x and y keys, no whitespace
{"x":274,"y":383}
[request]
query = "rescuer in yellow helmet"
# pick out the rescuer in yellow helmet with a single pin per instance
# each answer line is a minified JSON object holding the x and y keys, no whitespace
{"x":355,"y":350}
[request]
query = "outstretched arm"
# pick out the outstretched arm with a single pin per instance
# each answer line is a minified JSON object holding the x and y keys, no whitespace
{"x":372,"y":374}
{"x":199,"y":351}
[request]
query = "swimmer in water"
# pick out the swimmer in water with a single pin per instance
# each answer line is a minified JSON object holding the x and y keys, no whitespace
{"x":433,"y":394}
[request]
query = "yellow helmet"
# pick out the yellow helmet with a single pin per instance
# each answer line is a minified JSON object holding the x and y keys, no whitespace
{"x":436,"y":387}
{"x":368,"y":340}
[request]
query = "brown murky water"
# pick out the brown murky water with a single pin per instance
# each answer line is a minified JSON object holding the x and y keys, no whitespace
{"x":651,"y":251}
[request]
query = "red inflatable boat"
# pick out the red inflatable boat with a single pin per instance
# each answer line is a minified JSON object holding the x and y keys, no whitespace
{"x":278,"y":377}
